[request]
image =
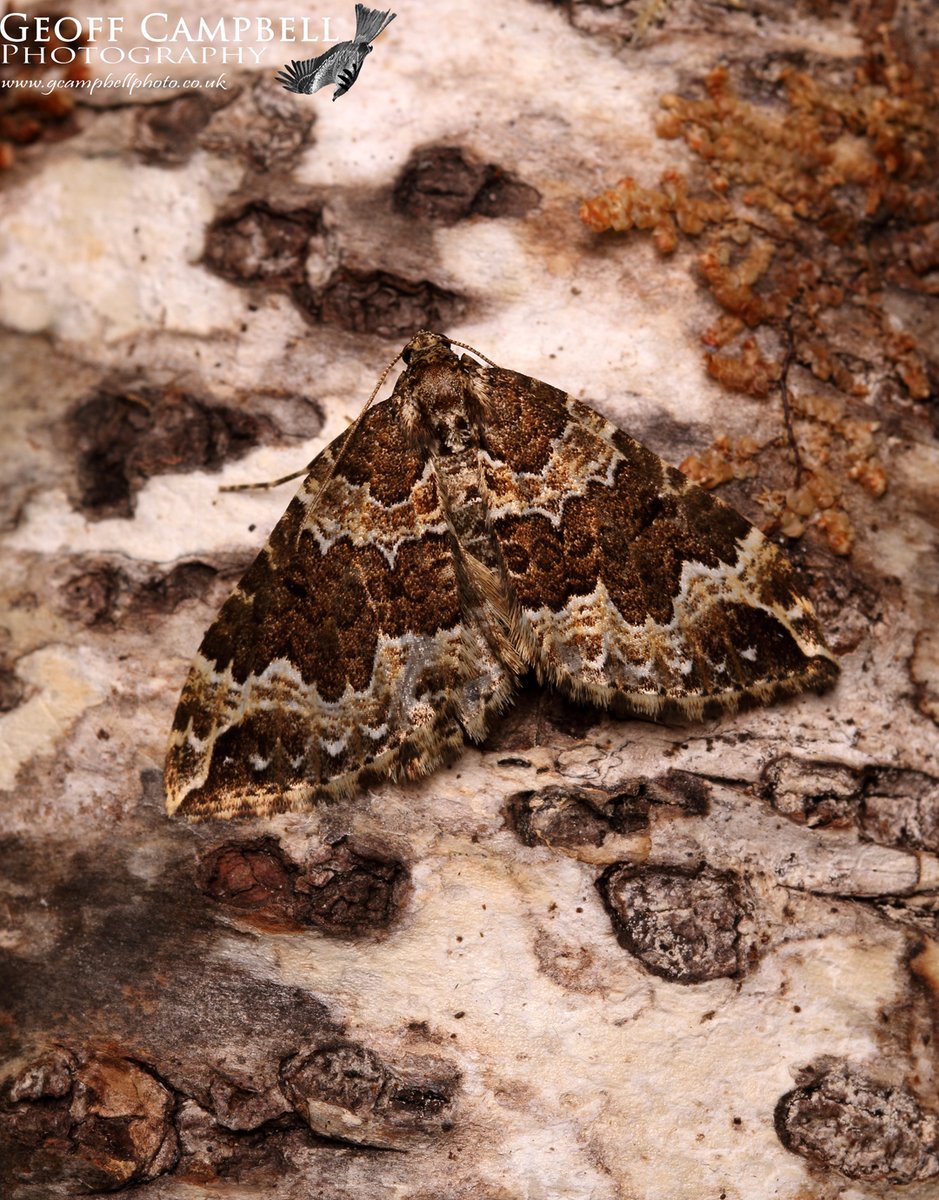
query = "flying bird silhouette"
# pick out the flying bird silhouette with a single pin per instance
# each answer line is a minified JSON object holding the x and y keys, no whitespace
{"x":341,"y":63}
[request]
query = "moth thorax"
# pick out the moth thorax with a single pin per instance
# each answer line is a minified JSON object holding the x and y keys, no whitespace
{"x":448,"y":413}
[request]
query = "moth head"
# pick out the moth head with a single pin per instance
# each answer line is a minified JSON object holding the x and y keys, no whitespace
{"x":422,"y":341}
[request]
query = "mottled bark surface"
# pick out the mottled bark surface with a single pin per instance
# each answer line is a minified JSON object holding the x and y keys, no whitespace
{"x":593,"y":959}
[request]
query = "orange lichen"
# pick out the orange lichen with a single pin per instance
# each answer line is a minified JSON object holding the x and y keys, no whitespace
{"x":722,"y":461}
{"x":870,"y":475}
{"x":747,"y":372}
{"x":807,"y":210}
{"x":664,"y":210}
{"x":838,"y":530}
{"x":27,"y":114}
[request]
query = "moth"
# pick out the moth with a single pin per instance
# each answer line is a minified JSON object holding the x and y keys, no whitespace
{"x":476,"y":526}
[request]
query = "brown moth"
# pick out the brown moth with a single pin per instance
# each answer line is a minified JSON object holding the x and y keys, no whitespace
{"x":475,"y":526}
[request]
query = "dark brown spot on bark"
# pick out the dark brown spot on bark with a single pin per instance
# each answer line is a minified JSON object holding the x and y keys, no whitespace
{"x":901,"y":808}
{"x":28,"y":116}
{"x":36,"y":1122}
{"x":167,"y":133}
{"x":379,"y":302}
{"x":503,"y":194}
{"x":104,"y":593}
{"x":258,"y":123}
{"x":567,"y":816}
{"x":444,"y":184}
{"x":112,"y":968}
{"x":812,"y":792}
{"x":92,"y":596}
{"x":122,"y":438}
{"x":100,"y":1125}
{"x":680,"y":925}
{"x":924,"y":672}
{"x":612,"y":23}
{"x":351,"y":1077}
{"x":265,"y":127}
{"x":49,"y":1077}
{"x":419,"y":1103}
{"x":559,"y":816}
{"x":12,"y":688}
{"x":340,"y":890}
{"x":346,"y":891}
{"x":259,"y":244}
{"x":253,"y":875}
{"x":347,"y":1091}
{"x":239,"y":1106}
{"x":165,"y":593}
{"x":846,"y":1120}
{"x":212,"y":1153}
{"x":892,"y":806}
{"x":848,"y":601}
{"x":680,"y":788}
{"x":438,"y":184}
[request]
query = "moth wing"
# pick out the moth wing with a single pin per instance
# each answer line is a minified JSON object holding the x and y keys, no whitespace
{"x":636,"y":589}
{"x":343,"y":655}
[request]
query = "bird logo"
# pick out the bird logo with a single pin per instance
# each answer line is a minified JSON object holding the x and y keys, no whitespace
{"x":341,"y":63}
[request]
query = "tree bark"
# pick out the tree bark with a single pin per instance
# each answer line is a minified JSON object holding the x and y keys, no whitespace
{"x":593,"y":958}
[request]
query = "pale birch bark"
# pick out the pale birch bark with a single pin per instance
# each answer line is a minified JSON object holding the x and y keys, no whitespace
{"x":423,"y":992}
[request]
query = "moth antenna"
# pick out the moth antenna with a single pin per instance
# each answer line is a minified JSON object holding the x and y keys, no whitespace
{"x":351,"y":431}
{"x":265,"y":484}
{"x":272,"y":483}
{"x":472,"y":350}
